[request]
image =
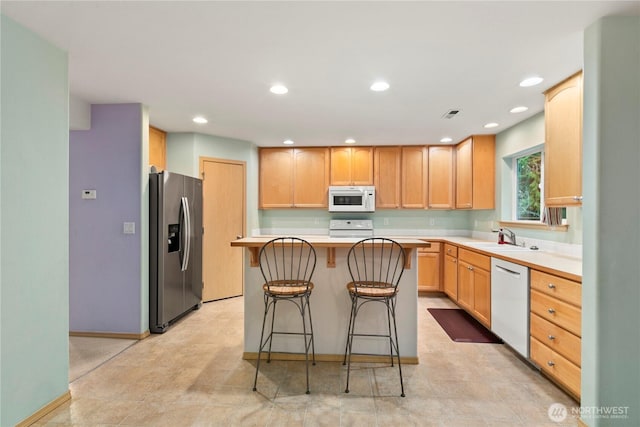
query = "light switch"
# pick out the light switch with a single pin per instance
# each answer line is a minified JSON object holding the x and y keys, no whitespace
{"x":89,"y":194}
{"x":129,"y":228}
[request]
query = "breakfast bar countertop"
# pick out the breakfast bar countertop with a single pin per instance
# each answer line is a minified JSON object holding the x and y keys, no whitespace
{"x":555,"y":263}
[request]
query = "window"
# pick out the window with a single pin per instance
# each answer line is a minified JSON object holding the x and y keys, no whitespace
{"x":528,"y":186}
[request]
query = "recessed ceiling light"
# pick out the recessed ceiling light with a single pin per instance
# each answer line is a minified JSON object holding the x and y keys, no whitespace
{"x":446,"y":139}
{"x":200,"y":120}
{"x":379,"y":86}
{"x":349,"y":141}
{"x":288,"y":142}
{"x":279,"y":89}
{"x":491,"y":125}
{"x":520,"y":109}
{"x":531,"y":81}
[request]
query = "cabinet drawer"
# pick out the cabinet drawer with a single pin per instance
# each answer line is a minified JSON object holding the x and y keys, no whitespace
{"x":563,"y":289}
{"x":558,"y":339}
{"x":475,"y":258}
{"x":435,"y":247}
{"x":451,"y":250}
{"x":556,"y":366}
{"x":556,"y":311}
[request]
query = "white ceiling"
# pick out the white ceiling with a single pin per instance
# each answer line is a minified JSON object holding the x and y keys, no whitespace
{"x":218,"y":59}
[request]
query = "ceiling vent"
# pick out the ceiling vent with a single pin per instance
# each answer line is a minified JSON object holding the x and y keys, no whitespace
{"x":450,"y":114}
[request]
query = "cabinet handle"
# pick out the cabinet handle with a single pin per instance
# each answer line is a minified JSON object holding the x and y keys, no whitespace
{"x":470,"y":268}
{"x":551,"y":310}
{"x":551,"y":337}
{"x":577,"y":198}
{"x":551,"y":363}
{"x":552,"y":286}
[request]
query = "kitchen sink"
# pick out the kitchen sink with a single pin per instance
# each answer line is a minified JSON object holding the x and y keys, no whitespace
{"x":494,"y":246}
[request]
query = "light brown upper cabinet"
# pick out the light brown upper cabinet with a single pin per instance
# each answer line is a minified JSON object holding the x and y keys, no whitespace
{"x":276,"y":178}
{"x":563,"y":145}
{"x":157,"y":148}
{"x":475,"y":173}
{"x":294,"y":177}
{"x":387,"y":177}
{"x":414,"y":177}
{"x":310,"y":177}
{"x":441,"y":172}
{"x":351,"y":165}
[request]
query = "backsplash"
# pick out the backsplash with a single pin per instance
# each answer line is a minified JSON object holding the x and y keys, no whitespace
{"x":385,"y":222}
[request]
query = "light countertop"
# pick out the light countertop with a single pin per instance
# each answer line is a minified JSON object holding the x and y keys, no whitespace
{"x":554,"y":263}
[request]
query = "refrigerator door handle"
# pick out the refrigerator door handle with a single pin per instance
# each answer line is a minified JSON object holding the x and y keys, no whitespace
{"x":186,"y":220}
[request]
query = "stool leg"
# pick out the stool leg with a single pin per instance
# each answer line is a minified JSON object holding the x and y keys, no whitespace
{"x":273,"y":316}
{"x":313,"y":347}
{"x":344,"y":361}
{"x":395,"y":329}
{"x":304,"y":334}
{"x":352,"y":326}
{"x":389,"y":329}
{"x":261,"y":345}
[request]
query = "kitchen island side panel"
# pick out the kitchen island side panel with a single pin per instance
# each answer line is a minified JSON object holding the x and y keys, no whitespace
{"x":330,"y":309}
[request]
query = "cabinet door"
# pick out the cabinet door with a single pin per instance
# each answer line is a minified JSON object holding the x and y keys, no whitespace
{"x":276,"y":178}
{"x":351,"y":165}
{"x":440,"y":180}
{"x":429,"y":271}
{"x":465,"y":285}
{"x":157,"y":148}
{"x":362,"y":165}
{"x":311,"y":177}
{"x":464,"y":174}
{"x":451,"y":277}
{"x":387,"y":177}
{"x":341,"y":166}
{"x":563,"y":145}
{"x":482,"y":295}
{"x":483,"y":173}
{"x":414,"y":177}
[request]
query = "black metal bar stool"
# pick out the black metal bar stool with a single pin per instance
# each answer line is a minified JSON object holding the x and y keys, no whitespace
{"x":287,"y":265}
{"x":376,"y":265}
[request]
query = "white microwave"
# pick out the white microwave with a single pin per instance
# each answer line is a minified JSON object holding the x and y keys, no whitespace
{"x":352,"y":199}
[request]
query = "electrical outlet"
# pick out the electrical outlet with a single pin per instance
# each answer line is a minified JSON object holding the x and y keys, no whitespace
{"x":316,"y":221}
{"x":386,"y":221}
{"x":89,"y":194}
{"x":432,"y":221}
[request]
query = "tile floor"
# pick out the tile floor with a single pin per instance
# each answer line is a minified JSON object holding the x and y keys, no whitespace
{"x":193,"y":375}
{"x":88,"y":353}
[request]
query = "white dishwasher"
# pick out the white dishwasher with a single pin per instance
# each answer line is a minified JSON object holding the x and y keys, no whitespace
{"x":510,"y":304}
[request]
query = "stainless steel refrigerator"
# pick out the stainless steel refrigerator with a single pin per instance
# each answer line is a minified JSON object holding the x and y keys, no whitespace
{"x":175,"y":248}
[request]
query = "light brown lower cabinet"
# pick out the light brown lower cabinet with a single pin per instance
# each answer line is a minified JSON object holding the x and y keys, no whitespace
{"x":450,"y":274}
{"x":429,"y":277}
{"x":555,"y":327}
{"x":474,"y":285}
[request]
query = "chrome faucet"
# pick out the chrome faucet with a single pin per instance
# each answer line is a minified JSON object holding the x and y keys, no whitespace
{"x":505,"y":232}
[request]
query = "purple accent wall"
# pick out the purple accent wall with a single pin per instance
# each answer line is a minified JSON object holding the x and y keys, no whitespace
{"x":105,"y":263}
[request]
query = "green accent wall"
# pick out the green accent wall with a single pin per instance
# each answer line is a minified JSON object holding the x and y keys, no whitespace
{"x":183,"y":156}
{"x":34,"y":224}
{"x":521,"y":137}
{"x":611,"y":271}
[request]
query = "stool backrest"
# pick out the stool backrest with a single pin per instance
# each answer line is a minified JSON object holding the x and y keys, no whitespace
{"x":287,"y":261}
{"x":376,"y":262}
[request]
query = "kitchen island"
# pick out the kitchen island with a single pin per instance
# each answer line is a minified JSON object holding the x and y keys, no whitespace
{"x":330,"y":305}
